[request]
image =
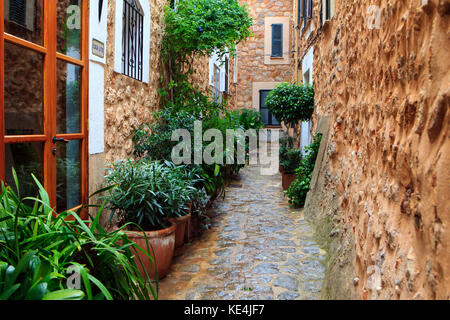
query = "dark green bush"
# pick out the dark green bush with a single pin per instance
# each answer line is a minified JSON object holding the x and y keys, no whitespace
{"x":291,"y":160}
{"x":291,"y":102}
{"x":299,"y":188}
{"x":250,"y":119}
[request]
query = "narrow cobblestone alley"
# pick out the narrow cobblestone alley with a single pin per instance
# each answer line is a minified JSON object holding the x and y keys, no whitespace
{"x":257,"y":248}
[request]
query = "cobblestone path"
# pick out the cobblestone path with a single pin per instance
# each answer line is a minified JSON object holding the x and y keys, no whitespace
{"x":257,"y":248}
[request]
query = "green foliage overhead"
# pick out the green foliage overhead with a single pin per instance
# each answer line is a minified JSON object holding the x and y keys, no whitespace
{"x":198,"y":28}
{"x":204,"y":26}
{"x":291,"y":102}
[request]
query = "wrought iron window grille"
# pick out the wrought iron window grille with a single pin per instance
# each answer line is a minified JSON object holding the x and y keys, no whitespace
{"x":132,"y":41}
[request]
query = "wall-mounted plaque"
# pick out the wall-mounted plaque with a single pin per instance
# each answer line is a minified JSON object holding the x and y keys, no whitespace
{"x":98,"y":48}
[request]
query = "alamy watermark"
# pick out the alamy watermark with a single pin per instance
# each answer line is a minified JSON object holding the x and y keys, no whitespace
{"x":74,"y":280}
{"x":373,"y":17}
{"x":266,"y":154}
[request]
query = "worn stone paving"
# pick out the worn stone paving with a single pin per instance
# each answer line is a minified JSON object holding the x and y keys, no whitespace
{"x":257,"y":248}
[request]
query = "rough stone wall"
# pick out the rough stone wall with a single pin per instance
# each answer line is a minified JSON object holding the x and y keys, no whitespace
{"x":130,"y":103}
{"x":387,"y":160}
{"x":251,"y":67}
{"x":200,"y":76}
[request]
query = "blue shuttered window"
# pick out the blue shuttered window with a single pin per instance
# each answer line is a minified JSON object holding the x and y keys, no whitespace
{"x":277,"y":40}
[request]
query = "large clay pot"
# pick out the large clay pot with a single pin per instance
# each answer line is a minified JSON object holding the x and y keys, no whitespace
{"x":182,"y":224}
{"x":163,"y":244}
{"x":287,"y":179}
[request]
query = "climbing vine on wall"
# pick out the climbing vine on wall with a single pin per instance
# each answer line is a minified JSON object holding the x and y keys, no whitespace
{"x":197,"y":28}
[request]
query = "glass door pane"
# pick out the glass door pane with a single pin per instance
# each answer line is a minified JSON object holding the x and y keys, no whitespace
{"x":267,"y":117}
{"x":68,"y":178}
{"x":69,"y":28}
{"x":26,"y":159}
{"x":68,"y":103}
{"x":24,"y":19}
{"x":24,"y":85}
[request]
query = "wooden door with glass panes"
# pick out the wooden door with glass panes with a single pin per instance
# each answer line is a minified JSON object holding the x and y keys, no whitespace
{"x":43,"y":97}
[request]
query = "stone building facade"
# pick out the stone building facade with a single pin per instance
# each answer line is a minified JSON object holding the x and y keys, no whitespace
{"x":380,"y":190}
{"x":127,"y":102}
{"x":257,"y":68}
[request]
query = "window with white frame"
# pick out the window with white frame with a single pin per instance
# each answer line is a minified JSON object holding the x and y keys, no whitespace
{"x":132,"y":39}
{"x":219,"y":73}
{"x":227,"y":75}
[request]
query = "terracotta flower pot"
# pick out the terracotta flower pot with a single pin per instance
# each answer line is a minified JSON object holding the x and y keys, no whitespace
{"x":163,"y":244}
{"x":287,"y":179}
{"x":182,"y":224}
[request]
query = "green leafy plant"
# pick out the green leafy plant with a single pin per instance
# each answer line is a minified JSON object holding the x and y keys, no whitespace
{"x":32,"y":279}
{"x":291,"y":102}
{"x":249,"y":119}
{"x":149,"y":193}
{"x":291,"y":160}
{"x":299,"y":188}
{"x":286,"y":143}
{"x":205,"y":26}
{"x":38,"y":247}
{"x":199,"y":28}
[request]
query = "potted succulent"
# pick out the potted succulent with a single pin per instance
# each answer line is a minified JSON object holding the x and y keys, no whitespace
{"x":290,"y":161}
{"x":148,"y":194}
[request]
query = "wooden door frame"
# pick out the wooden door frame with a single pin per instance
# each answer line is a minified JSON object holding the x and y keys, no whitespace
{"x":51,"y":56}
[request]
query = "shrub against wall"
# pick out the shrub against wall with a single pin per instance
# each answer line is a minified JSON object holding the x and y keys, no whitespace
{"x":298,"y":190}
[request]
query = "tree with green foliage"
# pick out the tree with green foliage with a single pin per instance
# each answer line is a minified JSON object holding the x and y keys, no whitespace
{"x":291,"y":102}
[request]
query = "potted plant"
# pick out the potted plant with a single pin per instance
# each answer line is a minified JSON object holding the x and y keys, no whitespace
{"x":148,"y":194}
{"x":285,"y":144}
{"x":291,"y":160}
{"x":199,"y":219}
{"x":186,"y":179}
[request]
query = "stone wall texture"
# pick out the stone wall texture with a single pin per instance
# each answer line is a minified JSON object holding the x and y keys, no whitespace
{"x":251,"y":67}
{"x":385,"y":173}
{"x":130,"y":103}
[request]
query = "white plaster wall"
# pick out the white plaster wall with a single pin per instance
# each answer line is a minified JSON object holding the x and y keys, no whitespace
{"x":97,"y":31}
{"x":307,"y":65}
